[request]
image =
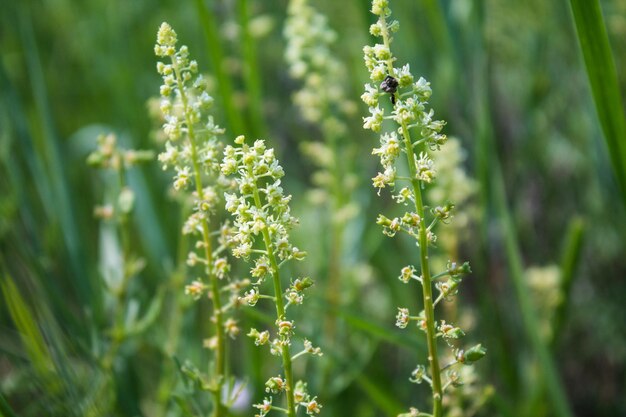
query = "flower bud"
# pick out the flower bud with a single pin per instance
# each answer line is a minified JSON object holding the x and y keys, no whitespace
{"x":455,"y":269}
{"x":417,"y":375}
{"x":275,"y":385}
{"x":302,"y":284}
{"x":474,"y":354}
{"x":126,"y":200}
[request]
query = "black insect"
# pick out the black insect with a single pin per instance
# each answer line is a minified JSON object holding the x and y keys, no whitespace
{"x":390,"y":85}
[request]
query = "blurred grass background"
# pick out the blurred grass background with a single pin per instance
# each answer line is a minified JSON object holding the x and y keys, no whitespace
{"x":524,"y":86}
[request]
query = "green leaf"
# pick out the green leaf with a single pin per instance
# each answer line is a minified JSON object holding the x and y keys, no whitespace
{"x":572,"y":248}
{"x":150,"y":316}
{"x":26,"y":324}
{"x":594,"y":43}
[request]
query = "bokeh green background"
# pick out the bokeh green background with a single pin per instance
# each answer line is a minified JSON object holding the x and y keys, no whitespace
{"x":507,"y":76}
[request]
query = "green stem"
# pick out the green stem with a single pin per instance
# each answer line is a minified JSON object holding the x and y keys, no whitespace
{"x":336,"y":239}
{"x":429,"y":309}
{"x":174,"y":322}
{"x":280,"y":311}
{"x":479,"y":94}
{"x":118,"y":332}
{"x":220,"y":351}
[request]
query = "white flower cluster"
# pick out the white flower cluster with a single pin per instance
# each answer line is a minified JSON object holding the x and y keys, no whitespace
{"x":191,"y":132}
{"x":322,"y":101}
{"x":409,"y":100}
{"x":453,"y":184}
{"x":193,"y":151}
{"x":261,"y":231}
{"x":259,"y":205}
{"x":416,"y":135}
{"x":310,"y":59}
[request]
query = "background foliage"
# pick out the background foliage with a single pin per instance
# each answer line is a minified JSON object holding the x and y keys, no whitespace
{"x":510,"y":79}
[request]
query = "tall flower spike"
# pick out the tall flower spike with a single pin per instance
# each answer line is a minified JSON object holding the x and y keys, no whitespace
{"x":192,"y":151}
{"x":322,"y":101}
{"x":395,"y":86}
{"x":262,"y":223}
{"x":308,"y":54}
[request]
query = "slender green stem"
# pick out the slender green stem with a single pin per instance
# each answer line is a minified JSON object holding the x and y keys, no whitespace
{"x":280,"y":312}
{"x":118,"y":332}
{"x":429,"y":309}
{"x":479,"y":93}
{"x":174,"y":321}
{"x":336,"y":240}
{"x":220,"y":351}
{"x":297,"y":355}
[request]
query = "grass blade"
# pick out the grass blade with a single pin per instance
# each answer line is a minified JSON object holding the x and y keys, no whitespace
{"x":251,"y":71}
{"x":211,"y":33}
{"x":596,"y":50}
{"x":570,"y":260}
{"x":52,"y":155}
{"x":26,"y":324}
{"x":555,"y":389}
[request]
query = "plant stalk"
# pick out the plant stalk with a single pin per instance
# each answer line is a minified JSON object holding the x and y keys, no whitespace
{"x":429,"y":309}
{"x":220,"y":351}
{"x":280,"y":312}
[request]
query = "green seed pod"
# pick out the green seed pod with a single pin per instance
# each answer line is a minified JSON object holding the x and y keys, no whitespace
{"x":474,"y":354}
{"x":302,"y":283}
{"x":383,"y":221}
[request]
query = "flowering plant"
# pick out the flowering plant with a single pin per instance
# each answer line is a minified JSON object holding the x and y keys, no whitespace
{"x":262,"y":223}
{"x":412,"y":118}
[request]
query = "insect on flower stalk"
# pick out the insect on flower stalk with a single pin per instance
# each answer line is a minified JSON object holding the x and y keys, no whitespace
{"x":411,"y":116}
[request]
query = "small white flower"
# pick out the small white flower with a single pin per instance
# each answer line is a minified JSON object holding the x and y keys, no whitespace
{"x":402,"y":318}
{"x":375,"y":120}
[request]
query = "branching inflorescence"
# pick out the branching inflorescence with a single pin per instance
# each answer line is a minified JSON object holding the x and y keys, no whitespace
{"x":194,"y":152}
{"x":262,"y":224}
{"x":110,"y":156}
{"x":412,"y":118}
